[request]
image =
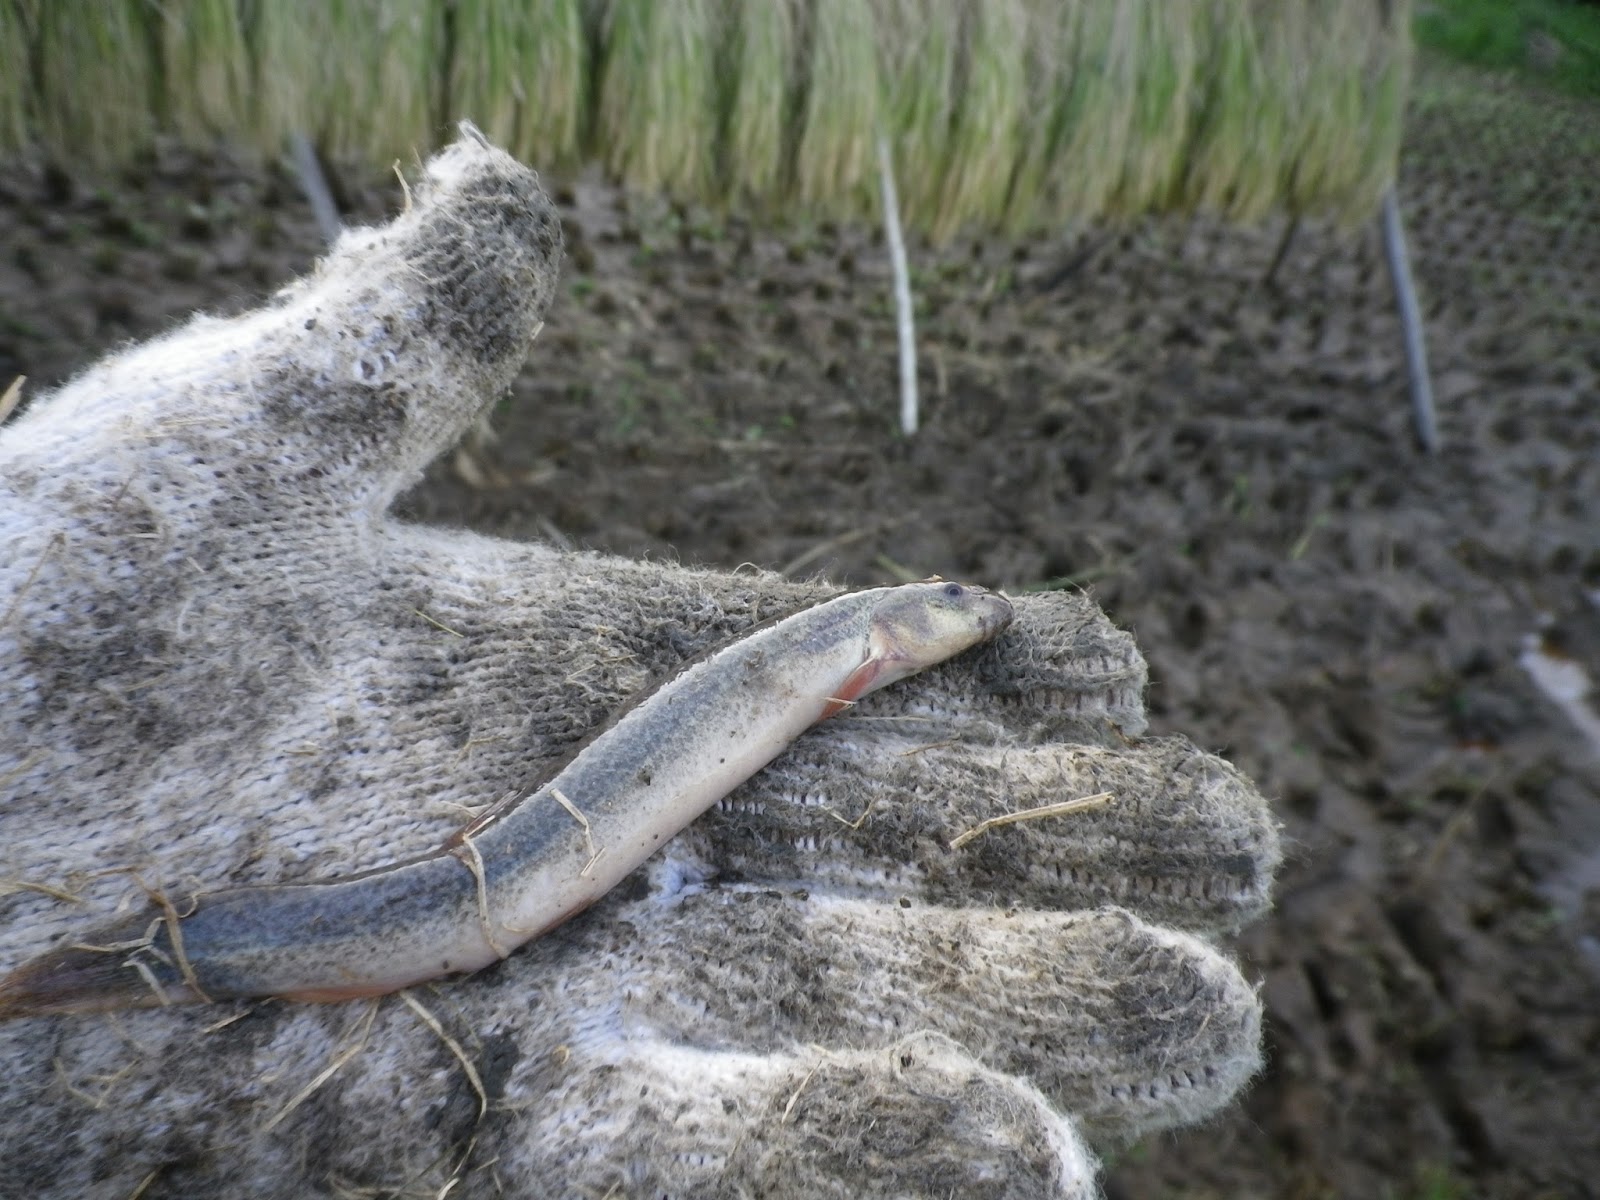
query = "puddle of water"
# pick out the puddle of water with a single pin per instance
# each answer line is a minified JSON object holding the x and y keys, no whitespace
{"x":1561,"y":678}
{"x":1566,"y":684}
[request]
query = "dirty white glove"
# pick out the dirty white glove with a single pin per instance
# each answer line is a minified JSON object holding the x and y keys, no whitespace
{"x":223,"y":663}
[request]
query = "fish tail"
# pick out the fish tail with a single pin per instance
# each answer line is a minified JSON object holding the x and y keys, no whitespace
{"x":112,"y":971}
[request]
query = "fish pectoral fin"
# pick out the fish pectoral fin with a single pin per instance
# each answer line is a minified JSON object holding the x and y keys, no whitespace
{"x":857,"y":684}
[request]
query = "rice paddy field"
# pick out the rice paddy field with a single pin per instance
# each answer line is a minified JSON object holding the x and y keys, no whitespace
{"x":1203,"y":422}
{"x":1015,"y":114}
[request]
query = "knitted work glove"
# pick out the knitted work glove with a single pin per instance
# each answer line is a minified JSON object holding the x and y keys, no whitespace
{"x":222,"y":663}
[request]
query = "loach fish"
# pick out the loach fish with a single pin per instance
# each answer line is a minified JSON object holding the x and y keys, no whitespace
{"x":537,"y":859}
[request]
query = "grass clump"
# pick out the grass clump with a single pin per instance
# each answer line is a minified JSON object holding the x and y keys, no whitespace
{"x":657,"y":120}
{"x":95,"y":79}
{"x":758,"y":73}
{"x":986,"y":136}
{"x":521,"y":73}
{"x":381,"y":67}
{"x":14,"y":84}
{"x":1099,"y":106}
{"x":1299,"y":105}
{"x":205,"y":68}
{"x":1240,"y":130}
{"x":918,"y":42}
{"x":835,"y":157}
{"x":1051,"y":32}
{"x":1347,"y":119}
{"x":287,"y":72}
{"x":1133,"y":83}
{"x":356,"y":76}
{"x":1156,"y":51}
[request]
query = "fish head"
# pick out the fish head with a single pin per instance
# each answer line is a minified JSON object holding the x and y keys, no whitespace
{"x":919,"y":624}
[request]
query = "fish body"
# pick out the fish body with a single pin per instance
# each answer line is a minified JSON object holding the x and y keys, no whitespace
{"x":531,"y":863}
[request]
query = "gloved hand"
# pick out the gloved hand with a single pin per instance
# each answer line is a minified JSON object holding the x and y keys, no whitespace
{"x":222,"y":663}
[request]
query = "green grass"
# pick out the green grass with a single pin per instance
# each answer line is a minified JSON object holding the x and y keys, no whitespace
{"x":1025,"y":114}
{"x":1160,"y":75}
{"x":1349,"y":138}
{"x":837,"y":116}
{"x":1050,"y":33}
{"x":356,"y":76}
{"x":757,"y":73}
{"x":379,"y":64}
{"x":1243,"y":131}
{"x":14,"y":41}
{"x":918,"y":44}
{"x":95,"y":77}
{"x":1431,"y":1181}
{"x":987,"y":132}
{"x":205,"y":73}
{"x":657,"y":121}
{"x":1096,"y":107}
{"x":1554,"y":40}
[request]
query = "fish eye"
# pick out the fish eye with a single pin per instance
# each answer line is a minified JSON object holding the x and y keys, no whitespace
{"x":954,"y":591}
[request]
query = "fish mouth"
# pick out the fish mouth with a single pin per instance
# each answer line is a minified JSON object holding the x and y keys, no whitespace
{"x":997,"y":613}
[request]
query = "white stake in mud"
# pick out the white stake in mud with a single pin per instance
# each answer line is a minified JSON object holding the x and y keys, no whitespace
{"x":902,"y":289}
{"x":1405,"y":294}
{"x":315,"y":186}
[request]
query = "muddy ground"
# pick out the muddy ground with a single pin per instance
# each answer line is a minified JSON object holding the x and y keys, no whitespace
{"x":1227,"y":462}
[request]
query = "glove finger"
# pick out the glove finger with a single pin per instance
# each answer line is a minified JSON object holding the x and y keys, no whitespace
{"x":1183,"y":839}
{"x":561,"y":639}
{"x":1131,"y":1026}
{"x":610,"y":625}
{"x":344,"y":387}
{"x":1061,"y":672}
{"x":403,"y":1098}
{"x":1127,"y":1026}
{"x":919,"y":1118}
